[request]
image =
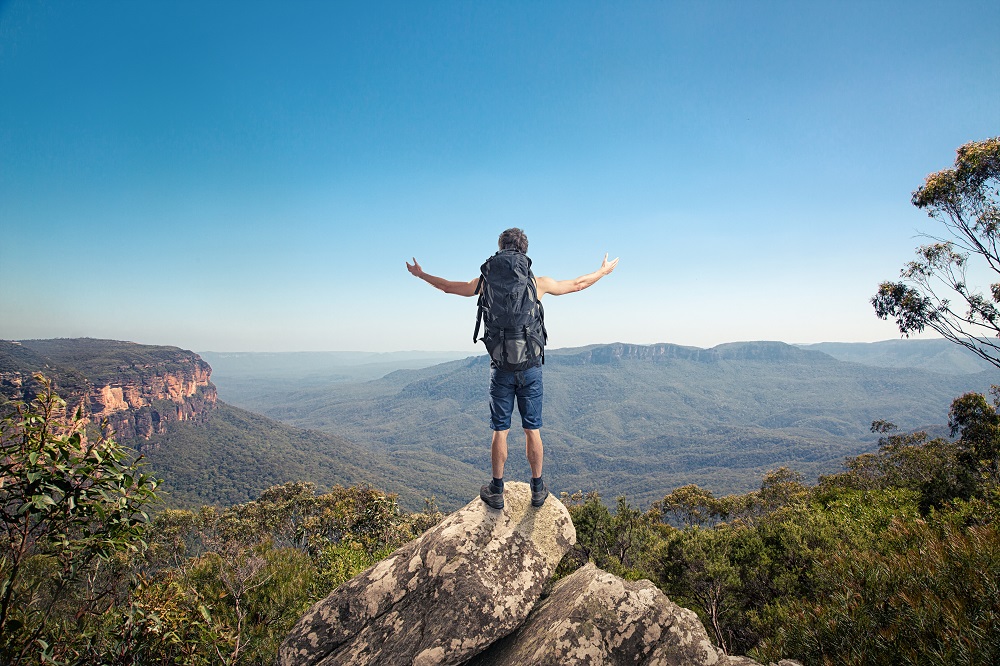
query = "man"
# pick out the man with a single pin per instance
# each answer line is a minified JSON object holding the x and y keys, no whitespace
{"x":525,"y":385}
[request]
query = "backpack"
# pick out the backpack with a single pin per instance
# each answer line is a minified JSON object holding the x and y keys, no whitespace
{"x":515,"y":334}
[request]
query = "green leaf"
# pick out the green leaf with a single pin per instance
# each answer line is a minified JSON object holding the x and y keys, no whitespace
{"x":204,"y":612}
{"x":42,"y":501}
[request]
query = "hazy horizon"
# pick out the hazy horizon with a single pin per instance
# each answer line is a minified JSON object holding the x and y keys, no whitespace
{"x":480,"y":350}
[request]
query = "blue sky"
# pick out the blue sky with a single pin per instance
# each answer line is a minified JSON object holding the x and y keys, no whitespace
{"x":253,"y":175}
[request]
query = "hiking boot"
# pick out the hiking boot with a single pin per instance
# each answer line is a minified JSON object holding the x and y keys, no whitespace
{"x":491,"y":496}
{"x":538,"y":496}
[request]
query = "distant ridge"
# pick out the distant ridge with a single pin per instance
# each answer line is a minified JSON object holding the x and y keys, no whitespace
{"x":633,"y":419}
{"x":936,"y":355}
{"x":309,"y":366}
{"x":618,"y":351}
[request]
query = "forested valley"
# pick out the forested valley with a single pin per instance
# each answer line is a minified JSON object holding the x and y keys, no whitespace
{"x":895,"y":559}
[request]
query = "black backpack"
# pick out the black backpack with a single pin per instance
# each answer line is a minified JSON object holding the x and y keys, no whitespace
{"x":515,"y":333}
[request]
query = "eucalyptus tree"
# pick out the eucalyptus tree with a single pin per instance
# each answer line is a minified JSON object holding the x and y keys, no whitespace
{"x":934,"y":290}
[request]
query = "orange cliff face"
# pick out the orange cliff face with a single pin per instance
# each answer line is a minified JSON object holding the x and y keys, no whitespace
{"x":136,"y":389}
{"x":139,"y":407}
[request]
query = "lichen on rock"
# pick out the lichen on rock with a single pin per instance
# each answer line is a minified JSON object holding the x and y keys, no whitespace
{"x":467,"y":593}
{"x":594,"y":617}
{"x":445,"y":596}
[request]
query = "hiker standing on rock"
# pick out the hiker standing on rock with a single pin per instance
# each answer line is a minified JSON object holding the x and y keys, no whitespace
{"x":510,"y":308}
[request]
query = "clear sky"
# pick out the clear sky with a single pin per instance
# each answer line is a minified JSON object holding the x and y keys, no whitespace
{"x":253,"y":175}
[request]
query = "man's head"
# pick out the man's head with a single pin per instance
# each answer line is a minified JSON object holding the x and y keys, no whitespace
{"x":514,"y":239}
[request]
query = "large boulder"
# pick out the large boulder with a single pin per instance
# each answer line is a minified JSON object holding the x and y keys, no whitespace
{"x":593,"y":617}
{"x":444,"y":597}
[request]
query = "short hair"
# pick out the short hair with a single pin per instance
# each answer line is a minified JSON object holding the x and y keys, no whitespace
{"x":513,"y":239}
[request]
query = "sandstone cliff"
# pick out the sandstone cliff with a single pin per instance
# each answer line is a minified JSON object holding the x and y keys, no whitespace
{"x":135,"y":388}
{"x":139,"y":406}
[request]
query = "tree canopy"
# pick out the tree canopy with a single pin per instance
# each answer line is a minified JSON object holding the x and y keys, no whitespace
{"x":935,"y":290}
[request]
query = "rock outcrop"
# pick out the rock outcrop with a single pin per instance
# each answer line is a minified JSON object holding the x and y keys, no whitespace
{"x":445,"y":596}
{"x":467,"y":593}
{"x":594,"y":617}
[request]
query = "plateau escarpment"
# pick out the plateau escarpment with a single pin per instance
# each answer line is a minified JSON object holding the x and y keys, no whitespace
{"x":161,"y":402}
{"x":140,"y":408}
{"x":135,"y":389}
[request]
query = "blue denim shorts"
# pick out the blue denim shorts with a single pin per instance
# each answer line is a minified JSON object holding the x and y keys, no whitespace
{"x":526,"y":386}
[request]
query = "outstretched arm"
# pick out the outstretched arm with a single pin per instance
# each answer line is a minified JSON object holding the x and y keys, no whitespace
{"x":447,"y":286}
{"x":547,"y":285}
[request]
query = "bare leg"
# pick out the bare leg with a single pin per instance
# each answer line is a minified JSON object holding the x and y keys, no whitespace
{"x":533,"y":449}
{"x":498,"y":452}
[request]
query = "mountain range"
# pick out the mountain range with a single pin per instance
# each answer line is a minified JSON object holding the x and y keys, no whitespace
{"x":637,"y":420}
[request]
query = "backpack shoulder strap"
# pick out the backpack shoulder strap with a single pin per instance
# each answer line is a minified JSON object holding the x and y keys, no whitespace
{"x":479,"y":306}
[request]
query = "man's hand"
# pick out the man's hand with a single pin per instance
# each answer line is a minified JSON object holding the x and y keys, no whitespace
{"x":606,"y":266}
{"x":416,"y":271}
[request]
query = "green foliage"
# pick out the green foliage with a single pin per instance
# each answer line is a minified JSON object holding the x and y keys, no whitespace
{"x":935,"y":291}
{"x":226,"y":586}
{"x":977,"y":423}
{"x":73,"y":514}
{"x":927,"y":596}
{"x":339,"y":562}
{"x":698,"y":569}
{"x":87,"y":578}
{"x":232,"y":456}
{"x":621,"y":542}
{"x":930,"y":467}
{"x":893,"y":560}
{"x":691,"y":506}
